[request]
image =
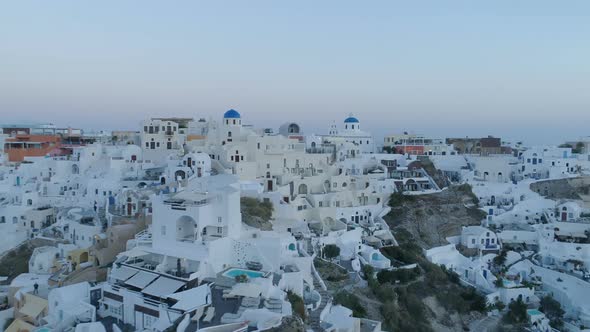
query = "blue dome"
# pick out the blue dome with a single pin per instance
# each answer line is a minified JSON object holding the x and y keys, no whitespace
{"x":351,"y":119}
{"x":232,"y":114}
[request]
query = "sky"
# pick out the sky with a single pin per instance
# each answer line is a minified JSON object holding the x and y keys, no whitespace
{"x":515,"y":69}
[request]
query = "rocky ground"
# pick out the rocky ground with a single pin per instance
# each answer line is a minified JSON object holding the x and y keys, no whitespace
{"x":572,"y":188}
{"x":431,"y":218}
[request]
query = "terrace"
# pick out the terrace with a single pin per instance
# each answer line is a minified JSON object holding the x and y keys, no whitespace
{"x":149,"y":262}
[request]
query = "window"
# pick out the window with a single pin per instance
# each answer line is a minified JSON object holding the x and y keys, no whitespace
{"x":163,"y":230}
{"x":115,"y":310}
{"x":148,"y":320}
{"x":472,"y":241}
{"x":2,"y":220}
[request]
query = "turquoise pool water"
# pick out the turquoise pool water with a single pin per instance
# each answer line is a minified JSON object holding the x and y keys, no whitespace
{"x":232,"y":273}
{"x":43,"y":329}
{"x":534,"y":312}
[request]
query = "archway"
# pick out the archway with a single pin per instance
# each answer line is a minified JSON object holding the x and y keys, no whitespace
{"x":302,"y":189}
{"x":180,"y":174}
{"x":84,"y":257}
{"x":75,"y":169}
{"x":186,"y":229}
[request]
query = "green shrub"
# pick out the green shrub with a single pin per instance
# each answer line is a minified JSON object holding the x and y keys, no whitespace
{"x":254,"y":207}
{"x":401,"y":275}
{"x":552,"y":309}
{"x":352,"y":302}
{"x":297,"y":304}
{"x":516,"y":312}
{"x":331,"y":251}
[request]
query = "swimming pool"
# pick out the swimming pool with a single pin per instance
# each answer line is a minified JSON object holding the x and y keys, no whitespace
{"x":43,"y":329}
{"x":534,"y":312}
{"x":232,"y":273}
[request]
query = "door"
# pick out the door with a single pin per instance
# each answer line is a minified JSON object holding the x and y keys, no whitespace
{"x":129,"y":209}
{"x":564,"y":216}
{"x":356,"y":219}
{"x":270,"y":185}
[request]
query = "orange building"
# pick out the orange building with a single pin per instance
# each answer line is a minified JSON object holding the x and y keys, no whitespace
{"x":25,"y":145}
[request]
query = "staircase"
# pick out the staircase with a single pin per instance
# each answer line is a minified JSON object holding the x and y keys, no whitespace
{"x":314,"y":316}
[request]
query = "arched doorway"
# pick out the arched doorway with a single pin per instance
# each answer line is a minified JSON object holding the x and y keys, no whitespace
{"x":302,"y":189}
{"x":186,"y":229}
{"x":180,"y":175}
{"x":129,"y":206}
{"x":84,"y":257}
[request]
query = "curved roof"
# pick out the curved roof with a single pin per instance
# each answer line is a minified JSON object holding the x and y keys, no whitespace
{"x":231,"y":114}
{"x":351,"y":119}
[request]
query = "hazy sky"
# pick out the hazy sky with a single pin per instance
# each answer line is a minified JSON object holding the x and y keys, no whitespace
{"x":514,"y":68}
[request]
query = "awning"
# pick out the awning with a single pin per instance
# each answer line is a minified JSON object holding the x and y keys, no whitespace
{"x":163,"y":287}
{"x":123,"y":273}
{"x":141,"y":279}
{"x":192,"y":299}
{"x":33,"y":309}
{"x":246,"y":289}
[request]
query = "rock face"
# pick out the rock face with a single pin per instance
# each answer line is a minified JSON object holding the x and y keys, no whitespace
{"x":573,"y":188}
{"x":431,"y":218}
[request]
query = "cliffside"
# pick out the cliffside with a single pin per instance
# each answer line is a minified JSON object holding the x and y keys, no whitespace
{"x":431,"y":218}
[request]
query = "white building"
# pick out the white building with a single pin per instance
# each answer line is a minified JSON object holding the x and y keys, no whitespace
{"x":350,"y":140}
{"x":478,"y":237}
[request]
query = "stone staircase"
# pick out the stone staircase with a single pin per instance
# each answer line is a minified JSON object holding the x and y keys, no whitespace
{"x":314,"y":316}
{"x":306,"y":250}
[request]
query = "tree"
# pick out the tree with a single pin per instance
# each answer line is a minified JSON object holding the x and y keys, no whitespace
{"x":552,"y":309}
{"x":331,"y":251}
{"x":369,"y":273}
{"x":516,"y":312}
{"x":500,"y":259}
{"x":499,"y":282}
